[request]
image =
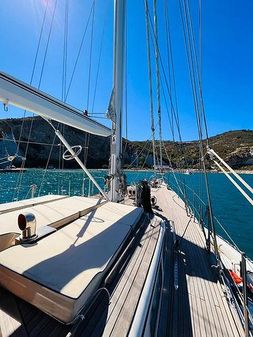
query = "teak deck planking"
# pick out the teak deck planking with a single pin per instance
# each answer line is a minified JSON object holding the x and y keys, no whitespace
{"x":202,"y":295}
{"x":198,"y":308}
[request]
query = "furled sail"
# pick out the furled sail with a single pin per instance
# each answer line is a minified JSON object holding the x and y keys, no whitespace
{"x":22,"y":95}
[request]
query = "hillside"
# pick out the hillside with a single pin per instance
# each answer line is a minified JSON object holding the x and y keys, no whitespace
{"x":236,"y":147}
{"x":41,"y":138}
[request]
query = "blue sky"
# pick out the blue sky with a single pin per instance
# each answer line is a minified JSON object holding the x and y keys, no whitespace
{"x":227,"y":59}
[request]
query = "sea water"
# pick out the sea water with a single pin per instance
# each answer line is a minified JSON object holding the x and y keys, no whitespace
{"x":231,"y":209}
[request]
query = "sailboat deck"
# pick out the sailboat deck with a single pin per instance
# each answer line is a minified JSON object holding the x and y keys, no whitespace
{"x":106,"y":317}
{"x":66,"y":267}
{"x":199,"y":306}
{"x":115,"y":319}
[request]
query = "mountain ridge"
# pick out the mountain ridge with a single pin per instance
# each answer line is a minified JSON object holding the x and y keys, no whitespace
{"x":235,"y":147}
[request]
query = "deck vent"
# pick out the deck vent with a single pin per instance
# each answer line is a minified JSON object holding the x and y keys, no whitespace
{"x":27,"y":224}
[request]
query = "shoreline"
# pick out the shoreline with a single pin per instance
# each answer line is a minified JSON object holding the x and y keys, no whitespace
{"x":183,"y":171}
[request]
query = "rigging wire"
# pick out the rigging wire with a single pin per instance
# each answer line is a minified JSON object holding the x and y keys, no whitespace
{"x":90,"y":55}
{"x":87,"y":135}
{"x":98,"y":70}
{"x":48,"y":160}
{"x":64,"y":81}
{"x":65,"y":52}
{"x":141,"y":151}
{"x":126,"y":86}
{"x":79,"y":50}
{"x":20,"y":177}
{"x":34,"y":66}
{"x":33,"y":69}
{"x":182,"y":188}
{"x":201,"y":211}
{"x":170,"y":118}
{"x":64,"y":65}
{"x":40,"y":80}
{"x":179,"y":149}
{"x":150,"y":81}
{"x":168,"y":87}
{"x":158,"y":94}
{"x":19,"y":182}
{"x":176,"y":116}
{"x":31,"y":142}
{"x":188,"y":42}
{"x":198,"y":62}
{"x":139,"y":154}
{"x":86,"y":147}
{"x":173,"y":171}
{"x":163,"y":71}
{"x":202,"y":202}
{"x":70,"y":82}
{"x":171,"y":68}
{"x":64,"y":76}
{"x":144,"y":161}
{"x":47,"y":44}
{"x":200,"y":42}
{"x":193,"y":66}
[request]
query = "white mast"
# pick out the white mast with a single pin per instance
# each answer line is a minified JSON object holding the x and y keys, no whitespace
{"x":117,"y":99}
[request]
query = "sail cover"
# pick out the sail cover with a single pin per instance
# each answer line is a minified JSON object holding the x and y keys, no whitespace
{"x":24,"y":96}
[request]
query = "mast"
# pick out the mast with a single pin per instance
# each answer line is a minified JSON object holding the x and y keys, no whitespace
{"x":117,"y":100}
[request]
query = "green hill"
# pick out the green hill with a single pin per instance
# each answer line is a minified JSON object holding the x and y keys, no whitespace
{"x":235,"y":147}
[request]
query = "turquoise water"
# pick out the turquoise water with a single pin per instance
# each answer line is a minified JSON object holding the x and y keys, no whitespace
{"x":230,"y":207}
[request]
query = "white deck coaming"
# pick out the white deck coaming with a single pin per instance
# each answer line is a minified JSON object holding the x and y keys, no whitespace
{"x":69,"y":261}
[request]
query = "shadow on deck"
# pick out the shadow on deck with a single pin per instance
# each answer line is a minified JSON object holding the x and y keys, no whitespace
{"x":35,"y":323}
{"x":184,"y":261}
{"x":192,"y":262}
